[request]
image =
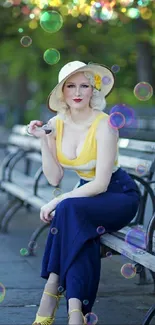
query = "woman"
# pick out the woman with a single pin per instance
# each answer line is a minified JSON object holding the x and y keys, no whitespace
{"x":106,"y":198}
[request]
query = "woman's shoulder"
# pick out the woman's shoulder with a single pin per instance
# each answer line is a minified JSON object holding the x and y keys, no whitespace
{"x":104,"y":127}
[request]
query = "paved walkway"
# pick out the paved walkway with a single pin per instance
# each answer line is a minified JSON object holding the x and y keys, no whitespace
{"x":119,"y":301}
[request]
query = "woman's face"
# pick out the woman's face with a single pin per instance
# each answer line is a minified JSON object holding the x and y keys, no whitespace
{"x":77,"y":91}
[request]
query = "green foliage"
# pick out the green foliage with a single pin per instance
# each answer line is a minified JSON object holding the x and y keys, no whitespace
{"x":108,"y":43}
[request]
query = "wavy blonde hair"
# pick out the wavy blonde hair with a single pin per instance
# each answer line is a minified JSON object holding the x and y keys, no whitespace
{"x":97,"y":100}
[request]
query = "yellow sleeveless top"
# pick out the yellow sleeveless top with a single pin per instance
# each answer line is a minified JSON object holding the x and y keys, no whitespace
{"x":85,"y":164}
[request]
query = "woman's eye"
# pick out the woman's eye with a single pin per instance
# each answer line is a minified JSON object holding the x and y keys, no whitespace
{"x":70,"y":86}
{"x":85,"y":86}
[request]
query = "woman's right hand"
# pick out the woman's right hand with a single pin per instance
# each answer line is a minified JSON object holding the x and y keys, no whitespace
{"x":35,"y":128}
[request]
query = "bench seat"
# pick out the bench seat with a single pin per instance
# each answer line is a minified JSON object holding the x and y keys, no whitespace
{"x":135,"y":254}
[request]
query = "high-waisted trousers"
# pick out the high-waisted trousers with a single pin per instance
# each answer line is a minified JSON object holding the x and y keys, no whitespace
{"x":72,"y":249}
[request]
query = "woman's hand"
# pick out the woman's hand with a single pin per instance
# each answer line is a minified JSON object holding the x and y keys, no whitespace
{"x":45,"y":212}
{"x":35,"y":129}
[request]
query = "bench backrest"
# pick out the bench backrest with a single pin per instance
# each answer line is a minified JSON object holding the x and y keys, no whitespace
{"x":135,"y":156}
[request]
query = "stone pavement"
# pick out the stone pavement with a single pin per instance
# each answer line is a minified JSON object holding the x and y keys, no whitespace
{"x":119,"y":301}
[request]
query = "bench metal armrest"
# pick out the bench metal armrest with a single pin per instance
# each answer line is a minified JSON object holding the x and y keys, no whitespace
{"x":7,"y":160}
{"x":149,"y":234}
{"x":148,"y":190}
{"x":16,"y":160}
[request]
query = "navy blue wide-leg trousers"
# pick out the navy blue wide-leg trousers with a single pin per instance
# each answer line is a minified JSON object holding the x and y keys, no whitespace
{"x":73,"y":250}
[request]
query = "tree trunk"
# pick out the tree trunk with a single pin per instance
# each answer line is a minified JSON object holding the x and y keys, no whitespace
{"x":144,"y":52}
{"x":20,"y":98}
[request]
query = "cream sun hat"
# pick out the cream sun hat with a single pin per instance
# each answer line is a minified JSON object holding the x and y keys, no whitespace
{"x":103,"y":80}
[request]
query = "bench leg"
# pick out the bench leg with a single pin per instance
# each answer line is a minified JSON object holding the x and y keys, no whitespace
{"x":34,"y":237}
{"x":6,"y":207}
{"x":149,"y":315}
{"x":153,"y":276}
{"x":144,"y":279}
{"x":9,"y":214}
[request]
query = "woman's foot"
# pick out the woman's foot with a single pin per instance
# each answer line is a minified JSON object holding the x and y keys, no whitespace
{"x":76,"y":317}
{"x":47,"y":319}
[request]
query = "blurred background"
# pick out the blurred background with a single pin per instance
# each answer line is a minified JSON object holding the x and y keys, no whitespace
{"x":37,"y":37}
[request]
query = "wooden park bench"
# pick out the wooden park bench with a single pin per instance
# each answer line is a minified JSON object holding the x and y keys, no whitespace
{"x":28,"y":190}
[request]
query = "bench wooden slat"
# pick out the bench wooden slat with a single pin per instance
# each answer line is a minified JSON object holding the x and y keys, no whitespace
{"x":137,"y":145}
{"x":16,"y":190}
{"x":120,"y":246}
{"x":133,"y":163}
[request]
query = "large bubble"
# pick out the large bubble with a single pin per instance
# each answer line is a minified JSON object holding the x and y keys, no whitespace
{"x":128,"y":271}
{"x":51,"y":21}
{"x":91,"y":319}
{"x":136,"y":238}
{"x":130,"y":127}
{"x":116,"y":120}
{"x":143,"y":91}
{"x":51,"y":56}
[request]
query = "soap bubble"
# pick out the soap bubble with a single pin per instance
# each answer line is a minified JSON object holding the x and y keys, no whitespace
{"x":100,"y":230}
{"x":116,"y":120}
{"x":85,"y":302}
{"x":26,"y":41}
{"x":143,"y":91}
{"x":130,"y":126}
{"x":2,"y":292}
{"x":115,"y":68}
{"x":136,"y":237}
{"x":51,"y":56}
{"x":91,"y":319}
{"x":51,"y":21}
{"x":24,"y":251}
{"x":128,"y":271}
{"x":106,"y":80}
{"x":54,"y":231}
{"x":60,"y":289}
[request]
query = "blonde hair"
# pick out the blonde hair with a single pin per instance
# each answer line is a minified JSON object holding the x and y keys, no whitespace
{"x":97,"y":100}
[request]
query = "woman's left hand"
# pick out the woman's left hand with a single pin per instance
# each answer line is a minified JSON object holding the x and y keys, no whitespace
{"x":45,"y":211}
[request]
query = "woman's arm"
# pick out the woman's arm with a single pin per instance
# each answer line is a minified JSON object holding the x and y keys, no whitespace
{"x":51,"y":167}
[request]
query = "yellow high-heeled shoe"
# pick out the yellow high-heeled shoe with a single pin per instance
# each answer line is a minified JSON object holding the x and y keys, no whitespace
{"x":84,"y":320}
{"x":40,"y":320}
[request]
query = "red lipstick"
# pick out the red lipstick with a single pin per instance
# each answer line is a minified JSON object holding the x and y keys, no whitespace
{"x":77,"y":100}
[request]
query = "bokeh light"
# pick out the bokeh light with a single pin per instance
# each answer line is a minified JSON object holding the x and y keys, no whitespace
{"x":101,"y":11}
{"x":51,"y":56}
{"x":128,"y":271}
{"x":143,"y":91}
{"x":51,"y":21}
